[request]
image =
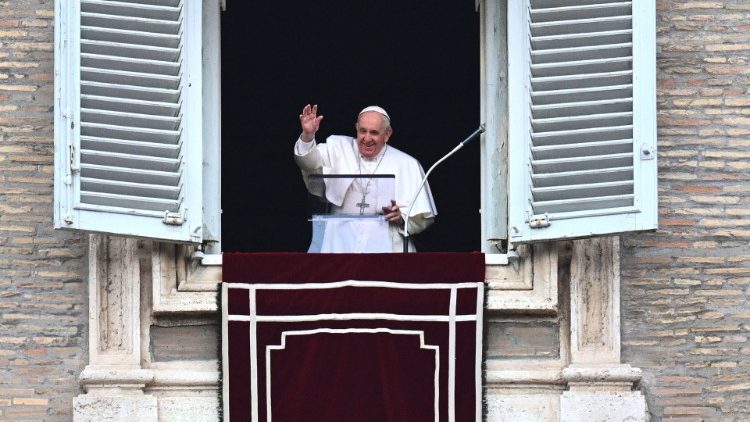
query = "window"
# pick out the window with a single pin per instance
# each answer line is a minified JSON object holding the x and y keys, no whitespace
{"x":269,"y":71}
{"x":569,"y":149}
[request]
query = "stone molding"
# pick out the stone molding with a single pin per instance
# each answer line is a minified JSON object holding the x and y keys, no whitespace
{"x":600,"y":388}
{"x":171,"y":378}
{"x":181,"y":284}
{"x":595,"y":300}
{"x":121,"y":383}
{"x":528,"y":284}
{"x":132,"y":280}
{"x":107,"y":377}
{"x":114,"y":380}
{"x":616,"y":374}
{"x":114,"y":306}
{"x":587,"y":381}
{"x":525,"y":377}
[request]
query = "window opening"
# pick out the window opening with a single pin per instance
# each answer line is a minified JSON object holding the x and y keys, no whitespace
{"x":420,"y":63}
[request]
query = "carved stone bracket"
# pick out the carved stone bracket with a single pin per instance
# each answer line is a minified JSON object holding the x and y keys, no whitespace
{"x":528,"y":284}
{"x":180,"y":284}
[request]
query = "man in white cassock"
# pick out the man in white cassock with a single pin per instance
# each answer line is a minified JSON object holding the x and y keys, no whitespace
{"x":366,"y":155}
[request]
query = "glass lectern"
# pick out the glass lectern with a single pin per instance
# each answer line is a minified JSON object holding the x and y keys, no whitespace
{"x":346,"y":211}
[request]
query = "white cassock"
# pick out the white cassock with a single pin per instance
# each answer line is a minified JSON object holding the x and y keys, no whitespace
{"x":340,"y":155}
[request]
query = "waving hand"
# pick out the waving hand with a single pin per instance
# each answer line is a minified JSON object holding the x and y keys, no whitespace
{"x":310,"y":122}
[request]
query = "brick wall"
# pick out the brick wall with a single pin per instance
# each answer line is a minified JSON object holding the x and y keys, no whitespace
{"x":43,"y":302}
{"x":686,"y":318}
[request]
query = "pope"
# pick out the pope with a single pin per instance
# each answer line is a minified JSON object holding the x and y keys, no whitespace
{"x":368,"y":154}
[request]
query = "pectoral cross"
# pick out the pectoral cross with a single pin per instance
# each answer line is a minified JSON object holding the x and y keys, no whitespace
{"x":362,"y":205}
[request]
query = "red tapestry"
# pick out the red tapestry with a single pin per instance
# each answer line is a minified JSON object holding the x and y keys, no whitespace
{"x":352,"y":337}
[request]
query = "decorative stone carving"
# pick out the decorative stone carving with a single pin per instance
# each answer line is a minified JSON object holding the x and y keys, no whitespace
{"x":114,"y":380}
{"x":586,"y":382}
{"x":527,"y":389}
{"x":600,"y":388}
{"x":528,"y":283}
{"x":180,"y":284}
{"x":595,"y":305}
{"x":130,"y":281}
{"x":114,"y":327}
{"x":121,"y":382}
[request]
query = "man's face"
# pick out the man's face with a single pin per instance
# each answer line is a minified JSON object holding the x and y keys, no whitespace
{"x":372,"y":134}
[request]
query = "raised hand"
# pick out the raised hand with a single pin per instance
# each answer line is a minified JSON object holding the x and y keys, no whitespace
{"x":310,"y":122}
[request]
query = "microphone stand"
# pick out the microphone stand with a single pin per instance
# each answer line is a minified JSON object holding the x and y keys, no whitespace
{"x":424,"y":180}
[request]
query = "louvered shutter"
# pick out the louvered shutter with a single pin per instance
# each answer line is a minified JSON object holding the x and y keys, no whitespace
{"x":582,"y":119}
{"x":128,"y":118}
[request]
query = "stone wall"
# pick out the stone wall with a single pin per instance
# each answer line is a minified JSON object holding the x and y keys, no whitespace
{"x":686,"y":318}
{"x":43,"y":306}
{"x":685,"y":314}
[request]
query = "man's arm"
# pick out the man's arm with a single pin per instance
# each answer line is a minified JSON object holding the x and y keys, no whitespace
{"x":418,"y":223}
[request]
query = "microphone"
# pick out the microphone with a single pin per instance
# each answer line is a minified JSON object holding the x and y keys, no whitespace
{"x":426,"y":175}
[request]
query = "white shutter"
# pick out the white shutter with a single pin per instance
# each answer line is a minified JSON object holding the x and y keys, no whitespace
{"x":582,"y":118}
{"x":128,"y":123}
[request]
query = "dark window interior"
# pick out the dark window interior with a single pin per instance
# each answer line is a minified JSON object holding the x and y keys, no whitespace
{"x":420,"y":61}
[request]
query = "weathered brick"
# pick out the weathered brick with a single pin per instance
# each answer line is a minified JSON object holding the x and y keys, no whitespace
{"x":30,"y":401}
{"x":675,"y":379}
{"x":25,"y":412}
{"x":676,"y":391}
{"x":727,"y":388}
{"x":711,"y":315}
{"x":724,"y":364}
{"x":688,"y":410}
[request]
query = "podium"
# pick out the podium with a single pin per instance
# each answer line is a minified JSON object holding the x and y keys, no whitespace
{"x":337,"y":233}
{"x":352,"y":337}
{"x":346,"y":212}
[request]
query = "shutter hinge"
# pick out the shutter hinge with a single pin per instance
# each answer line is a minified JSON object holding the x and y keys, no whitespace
{"x":72,"y":158}
{"x":197,"y":234}
{"x":539,"y":221}
{"x":173,"y":218}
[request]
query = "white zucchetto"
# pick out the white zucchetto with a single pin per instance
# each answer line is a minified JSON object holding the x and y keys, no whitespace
{"x":376,"y":109}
